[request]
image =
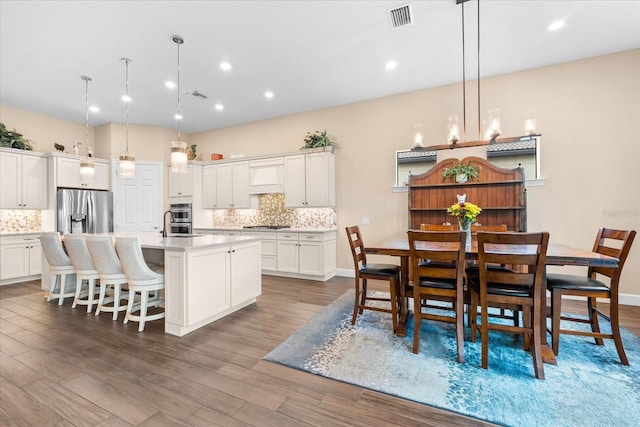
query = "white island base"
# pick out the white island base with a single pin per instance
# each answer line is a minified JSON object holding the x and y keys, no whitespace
{"x":206,"y":277}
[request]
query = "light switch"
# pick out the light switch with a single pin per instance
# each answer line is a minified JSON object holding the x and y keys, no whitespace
{"x":365,"y":221}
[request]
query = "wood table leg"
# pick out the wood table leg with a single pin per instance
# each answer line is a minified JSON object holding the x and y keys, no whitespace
{"x":548,"y":356}
{"x":401,"y":330}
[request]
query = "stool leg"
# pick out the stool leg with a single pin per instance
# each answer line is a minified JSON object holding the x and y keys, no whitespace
{"x":132,"y":297}
{"x":116,"y":300}
{"x":144,"y":297}
{"x":103,"y":290}
{"x":91,"y":292}
{"x":78,"y":291}
{"x":52,"y":286}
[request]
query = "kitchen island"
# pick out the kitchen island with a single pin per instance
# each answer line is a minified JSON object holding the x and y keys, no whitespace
{"x":206,"y":276}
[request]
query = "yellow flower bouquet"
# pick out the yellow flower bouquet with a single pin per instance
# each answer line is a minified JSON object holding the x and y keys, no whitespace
{"x":465,"y":212}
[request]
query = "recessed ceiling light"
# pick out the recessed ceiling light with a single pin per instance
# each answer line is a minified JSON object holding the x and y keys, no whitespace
{"x":170,"y":84}
{"x":225,"y":66}
{"x":126,"y":98}
{"x":219,"y":107}
{"x":178,"y":117}
{"x":391,"y":65}
{"x":556,"y":25}
{"x":268,"y":94}
{"x":94,"y":109}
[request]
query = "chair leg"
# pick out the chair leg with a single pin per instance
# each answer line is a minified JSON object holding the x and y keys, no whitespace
{"x":615,"y":329}
{"x":393,"y":292}
{"x":526,"y":320}
{"x":116,"y":300}
{"x":536,"y":350}
{"x":472,"y":312}
{"x":132,"y":297}
{"x":363,"y":296}
{"x":556,"y":309}
{"x":356,"y":304}
{"x":417,"y":310}
{"x":459,"y":309}
{"x":144,"y":297}
{"x":103,"y":290}
{"x":484,"y":331}
{"x":78,"y":291}
{"x":593,"y":316}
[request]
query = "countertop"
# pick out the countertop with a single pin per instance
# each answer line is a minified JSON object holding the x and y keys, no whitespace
{"x":152,"y":240}
{"x":268,"y":230}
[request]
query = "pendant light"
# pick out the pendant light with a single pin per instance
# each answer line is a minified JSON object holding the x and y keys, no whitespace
{"x":178,"y":148}
{"x":87,"y":165}
{"x":127,"y":159}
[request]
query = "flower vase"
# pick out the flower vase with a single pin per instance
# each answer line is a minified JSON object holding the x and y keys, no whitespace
{"x":466,"y":227}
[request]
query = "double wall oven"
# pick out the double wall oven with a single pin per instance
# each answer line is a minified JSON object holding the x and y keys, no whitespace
{"x":181,"y":218}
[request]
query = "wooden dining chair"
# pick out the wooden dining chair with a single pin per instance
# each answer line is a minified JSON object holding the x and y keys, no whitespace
{"x":442,"y":279}
{"x":592,"y":288}
{"x":519,"y":287}
{"x":365,"y":271}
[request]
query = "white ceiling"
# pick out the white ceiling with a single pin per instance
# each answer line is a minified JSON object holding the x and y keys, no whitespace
{"x":311,"y":54}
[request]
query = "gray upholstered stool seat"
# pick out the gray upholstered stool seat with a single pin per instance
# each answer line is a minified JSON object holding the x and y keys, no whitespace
{"x":59,"y":265}
{"x":76,"y":246}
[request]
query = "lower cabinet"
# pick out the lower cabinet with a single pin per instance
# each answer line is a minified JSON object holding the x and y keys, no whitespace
{"x":306,"y":255}
{"x":204,"y":285}
{"x":20,"y":258}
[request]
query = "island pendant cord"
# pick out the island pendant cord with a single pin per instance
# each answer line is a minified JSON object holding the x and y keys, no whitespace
{"x":127,"y":159}
{"x":87,"y":165}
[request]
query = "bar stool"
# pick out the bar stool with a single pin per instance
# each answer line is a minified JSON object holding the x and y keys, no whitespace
{"x":59,"y":265}
{"x":104,"y":256}
{"x":141,"y":279}
{"x":76,"y":245}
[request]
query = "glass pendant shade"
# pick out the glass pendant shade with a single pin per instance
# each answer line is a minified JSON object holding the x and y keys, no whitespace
{"x":87,"y":170}
{"x":178,"y":157}
{"x":87,"y":165}
{"x":453,"y":130}
{"x":529,"y":121}
{"x":492,"y":124}
{"x":127,"y":165}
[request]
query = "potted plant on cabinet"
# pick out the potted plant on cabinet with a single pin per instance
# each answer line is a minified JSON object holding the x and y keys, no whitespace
{"x":461,"y":173}
{"x":13,"y":139}
{"x":318,"y":140}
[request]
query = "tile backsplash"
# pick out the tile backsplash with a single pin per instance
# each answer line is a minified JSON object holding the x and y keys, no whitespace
{"x":20,"y":221}
{"x":271,"y":211}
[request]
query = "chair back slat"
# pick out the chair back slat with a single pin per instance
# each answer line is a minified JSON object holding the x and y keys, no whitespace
{"x":494,"y":228}
{"x":437,"y":227}
{"x":445,"y":251}
{"x":357,"y":246}
{"x":624,"y":239}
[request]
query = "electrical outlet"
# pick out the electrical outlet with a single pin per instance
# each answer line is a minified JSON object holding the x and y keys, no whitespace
{"x":365,"y":221}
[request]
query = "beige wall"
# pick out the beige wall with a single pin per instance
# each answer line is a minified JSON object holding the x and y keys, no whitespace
{"x":587,"y":111}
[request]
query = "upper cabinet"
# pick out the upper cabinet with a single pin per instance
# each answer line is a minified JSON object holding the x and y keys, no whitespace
{"x":181,"y":184}
{"x":310,"y":180}
{"x":68,"y":173}
{"x":24,"y":178}
{"x":209,"y":194}
{"x":232,"y":185}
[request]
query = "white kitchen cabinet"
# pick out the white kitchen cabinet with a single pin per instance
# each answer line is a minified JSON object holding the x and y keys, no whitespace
{"x":24,"y":178}
{"x":269,"y":249}
{"x":204,"y":285}
{"x":20,"y":257}
{"x":306,"y":255}
{"x":209,"y":194}
{"x":67,"y":172}
{"x":181,"y":184}
{"x":310,"y":180}
{"x":232,"y":185}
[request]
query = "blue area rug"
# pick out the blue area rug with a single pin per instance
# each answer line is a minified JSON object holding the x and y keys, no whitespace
{"x":588,"y":387}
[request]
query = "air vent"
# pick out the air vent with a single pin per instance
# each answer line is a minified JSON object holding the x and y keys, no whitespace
{"x":400,"y":16}
{"x":197,"y":94}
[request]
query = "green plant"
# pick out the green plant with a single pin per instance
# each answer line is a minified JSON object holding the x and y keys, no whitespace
{"x":470,"y":171}
{"x":317,"y":140}
{"x":13,"y":139}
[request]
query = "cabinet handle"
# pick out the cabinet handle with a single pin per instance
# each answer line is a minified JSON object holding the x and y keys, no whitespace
{"x":234,"y":251}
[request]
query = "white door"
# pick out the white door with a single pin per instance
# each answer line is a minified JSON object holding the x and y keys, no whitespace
{"x":137,"y":203}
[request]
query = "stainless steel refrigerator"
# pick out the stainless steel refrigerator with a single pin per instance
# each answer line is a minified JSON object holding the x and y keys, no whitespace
{"x":85,"y":211}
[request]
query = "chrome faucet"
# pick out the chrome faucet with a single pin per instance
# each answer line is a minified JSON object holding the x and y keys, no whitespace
{"x":164,"y":222}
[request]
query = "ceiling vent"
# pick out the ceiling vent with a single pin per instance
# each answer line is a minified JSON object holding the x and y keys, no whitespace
{"x":400,"y":16}
{"x":197,"y":94}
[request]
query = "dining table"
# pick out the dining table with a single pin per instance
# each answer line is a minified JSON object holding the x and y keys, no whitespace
{"x":557,"y":254}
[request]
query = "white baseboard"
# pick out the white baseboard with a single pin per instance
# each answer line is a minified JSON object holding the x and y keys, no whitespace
{"x":625,"y":299}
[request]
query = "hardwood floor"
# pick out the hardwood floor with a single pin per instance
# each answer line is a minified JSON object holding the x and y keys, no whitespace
{"x":61,"y":367}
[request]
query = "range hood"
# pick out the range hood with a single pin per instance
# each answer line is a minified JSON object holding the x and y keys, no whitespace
{"x":266,"y":176}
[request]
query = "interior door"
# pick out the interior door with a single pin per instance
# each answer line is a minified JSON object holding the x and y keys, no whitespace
{"x":137,"y":203}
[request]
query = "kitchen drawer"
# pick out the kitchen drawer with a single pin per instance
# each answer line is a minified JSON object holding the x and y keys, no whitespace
{"x":310,"y":237}
{"x":263,"y":236}
{"x":287,"y":236}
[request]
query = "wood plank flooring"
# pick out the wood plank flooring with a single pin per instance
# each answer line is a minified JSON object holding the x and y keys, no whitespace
{"x":63,"y":367}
